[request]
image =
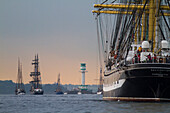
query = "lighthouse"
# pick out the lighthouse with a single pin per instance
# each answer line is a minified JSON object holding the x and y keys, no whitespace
{"x":83,"y":88}
{"x":83,"y":70}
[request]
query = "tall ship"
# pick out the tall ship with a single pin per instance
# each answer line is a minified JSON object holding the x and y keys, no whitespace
{"x":36,"y":85}
{"x":59,"y":89}
{"x":134,"y":41}
{"x":20,"y":90}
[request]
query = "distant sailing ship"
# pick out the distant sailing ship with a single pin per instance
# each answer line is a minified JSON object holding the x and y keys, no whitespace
{"x":20,"y":90}
{"x":100,"y":88}
{"x":36,"y":85}
{"x":59,"y":89}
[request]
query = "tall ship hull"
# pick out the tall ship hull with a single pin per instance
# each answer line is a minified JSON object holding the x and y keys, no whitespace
{"x":20,"y":92}
{"x":138,"y":82}
{"x":37,"y":92}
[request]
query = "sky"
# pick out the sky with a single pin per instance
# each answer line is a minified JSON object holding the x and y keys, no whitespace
{"x":62,"y":32}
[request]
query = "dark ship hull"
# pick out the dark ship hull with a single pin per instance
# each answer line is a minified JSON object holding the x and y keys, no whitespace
{"x":20,"y":92}
{"x":72,"y":92}
{"x":86,"y":92}
{"x":138,"y":82}
{"x":59,"y":93}
{"x":37,"y":92}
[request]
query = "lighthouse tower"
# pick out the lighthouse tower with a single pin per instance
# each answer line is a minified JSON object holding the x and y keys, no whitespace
{"x":83,"y":88}
{"x":83,"y":70}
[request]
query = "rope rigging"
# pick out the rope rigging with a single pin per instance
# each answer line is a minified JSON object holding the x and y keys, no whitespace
{"x":98,"y":38}
{"x":130,"y":24}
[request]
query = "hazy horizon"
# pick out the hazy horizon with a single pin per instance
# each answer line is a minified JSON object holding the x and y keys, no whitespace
{"x":62,"y":32}
{"x":48,"y":83}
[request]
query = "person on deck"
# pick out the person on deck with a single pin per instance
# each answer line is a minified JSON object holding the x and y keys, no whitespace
{"x":154,"y":58}
{"x":149,"y":58}
{"x":138,"y":58}
{"x":140,"y":49}
{"x":167,"y":59}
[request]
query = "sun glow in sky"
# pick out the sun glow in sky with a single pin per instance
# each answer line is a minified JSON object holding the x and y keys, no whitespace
{"x":62,"y":32}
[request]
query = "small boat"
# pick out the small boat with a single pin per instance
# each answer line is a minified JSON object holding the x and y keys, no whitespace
{"x":73,"y":91}
{"x":79,"y":93}
{"x":20,"y":90}
{"x":99,"y":93}
{"x":59,"y":89}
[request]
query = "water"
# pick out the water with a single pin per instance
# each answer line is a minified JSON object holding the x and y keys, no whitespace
{"x":75,"y":104}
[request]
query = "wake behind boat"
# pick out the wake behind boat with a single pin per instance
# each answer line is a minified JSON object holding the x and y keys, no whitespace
{"x":134,"y":39}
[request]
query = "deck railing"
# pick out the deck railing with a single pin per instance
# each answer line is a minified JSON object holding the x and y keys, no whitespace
{"x":158,"y":59}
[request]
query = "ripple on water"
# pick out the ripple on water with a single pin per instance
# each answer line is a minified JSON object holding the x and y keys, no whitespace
{"x":74,"y":104}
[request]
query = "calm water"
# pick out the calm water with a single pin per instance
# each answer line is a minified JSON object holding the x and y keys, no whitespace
{"x":75,"y":104}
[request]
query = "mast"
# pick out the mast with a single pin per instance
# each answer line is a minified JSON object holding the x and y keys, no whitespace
{"x":36,"y":75}
{"x":151,"y":23}
{"x":19,"y":84}
{"x":21,"y":76}
{"x":58,"y":89}
{"x":101,"y":81}
{"x":58,"y":81}
{"x":18,"y":75}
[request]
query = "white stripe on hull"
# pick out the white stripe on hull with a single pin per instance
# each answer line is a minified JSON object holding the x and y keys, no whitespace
{"x":114,"y":85}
